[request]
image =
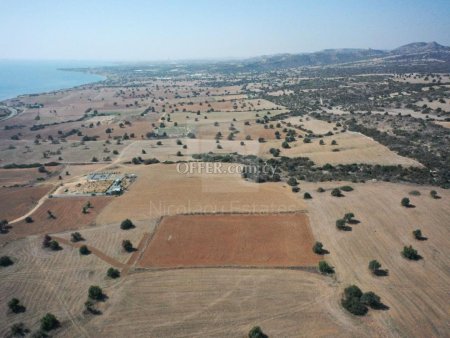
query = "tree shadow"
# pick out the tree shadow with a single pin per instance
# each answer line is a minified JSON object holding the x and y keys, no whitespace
{"x":345,"y":228}
{"x":421,"y":238}
{"x":323,"y":252}
{"x":410,"y":206}
{"x":381,"y":272}
{"x":354,"y":221}
{"x":380,"y":306}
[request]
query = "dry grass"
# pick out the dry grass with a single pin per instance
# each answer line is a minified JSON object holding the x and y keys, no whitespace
{"x":415,"y":291}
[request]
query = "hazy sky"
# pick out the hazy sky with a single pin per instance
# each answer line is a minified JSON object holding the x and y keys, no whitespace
{"x":186,"y":29}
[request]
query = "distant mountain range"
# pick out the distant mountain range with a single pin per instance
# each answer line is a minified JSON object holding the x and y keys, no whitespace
{"x":417,"y":52}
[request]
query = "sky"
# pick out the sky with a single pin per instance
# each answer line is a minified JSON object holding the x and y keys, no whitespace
{"x":139,"y":30}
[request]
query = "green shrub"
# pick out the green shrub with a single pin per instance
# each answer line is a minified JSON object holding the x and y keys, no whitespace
{"x":6,"y":261}
{"x":76,"y":237}
{"x":84,"y":250}
{"x":256,"y":332}
{"x":113,"y":273}
{"x":49,"y":322}
{"x":336,"y":192}
{"x":307,"y":196}
{"x":374,"y":266}
{"x":126,"y":224}
{"x":346,"y":188}
{"x":318,"y":248}
{"x":15,"y":306}
{"x":405,"y":202}
{"x":95,"y":292}
{"x":410,"y":253}
{"x":127,"y":246}
{"x":371,"y":299}
{"x":324,"y":267}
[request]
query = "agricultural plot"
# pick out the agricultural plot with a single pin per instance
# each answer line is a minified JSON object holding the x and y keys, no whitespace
{"x":270,"y":240}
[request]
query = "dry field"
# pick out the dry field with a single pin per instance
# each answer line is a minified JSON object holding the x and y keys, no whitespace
{"x":416,"y":291}
{"x":68,"y":216}
{"x":11,"y":177}
{"x":269,"y":240}
{"x":18,"y":201}
{"x":160,"y":190}
{"x":353,"y":148}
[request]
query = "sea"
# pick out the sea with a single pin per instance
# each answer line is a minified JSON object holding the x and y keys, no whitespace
{"x":33,"y":77}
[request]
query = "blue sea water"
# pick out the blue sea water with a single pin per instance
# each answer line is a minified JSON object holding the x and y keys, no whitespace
{"x":32,"y":77}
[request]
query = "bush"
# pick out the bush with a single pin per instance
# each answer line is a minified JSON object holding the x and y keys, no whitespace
{"x":127,"y":246}
{"x":418,"y":234}
{"x":19,"y":330}
{"x":341,"y":224}
{"x":434,"y":194}
{"x":95,"y":292}
{"x":374,"y":266}
{"x":84,"y":250}
{"x":46,"y":241}
{"x":348,"y":217}
{"x":15,"y":306}
{"x":318,"y":248}
{"x":352,"y":301}
{"x":347,"y":188}
{"x":405,"y":202}
{"x":410,"y":253}
{"x":113,"y":273}
{"x":336,"y":192}
{"x":256,"y":332}
{"x":295,"y":189}
{"x":5,"y":261}
{"x":354,"y":306}
{"x":371,"y":299}
{"x":320,"y":189}
{"x":54,"y":245}
{"x":307,"y":196}
{"x":126,"y":224}
{"x":28,"y":219}
{"x":76,"y":237}
{"x":292,"y":181}
{"x":414,"y":193}
{"x":49,"y":322}
{"x":324,"y":267}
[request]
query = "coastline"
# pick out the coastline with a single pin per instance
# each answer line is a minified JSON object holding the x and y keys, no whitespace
{"x":51,"y":79}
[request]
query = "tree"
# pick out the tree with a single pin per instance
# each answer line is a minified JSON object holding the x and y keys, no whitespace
{"x":434,"y":194}
{"x":256,"y":332}
{"x":113,"y":273}
{"x":371,"y":299}
{"x":84,"y":250}
{"x":5,"y":261}
{"x":351,"y":301}
{"x":325,"y":268}
{"x":348,"y":217}
{"x":54,"y":245}
{"x":95,"y":292}
{"x":15,"y":306}
{"x":340,"y":224}
{"x":374,"y":266}
{"x":292,"y":181}
{"x":405,"y":202}
{"x":126,"y":224}
{"x":127,"y":246}
{"x":318,"y":248}
{"x":49,"y":322}
{"x":410,"y":253}
{"x":307,"y":196}
{"x":336,"y":192}
{"x":46,"y":241}
{"x":19,"y":330}
{"x":28,"y":219}
{"x":76,"y":237}
{"x":418,"y":235}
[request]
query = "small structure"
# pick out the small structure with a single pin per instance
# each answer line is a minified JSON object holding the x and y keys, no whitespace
{"x":115,"y":188}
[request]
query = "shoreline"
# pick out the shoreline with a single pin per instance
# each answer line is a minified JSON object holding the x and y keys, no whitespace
{"x":3,"y":101}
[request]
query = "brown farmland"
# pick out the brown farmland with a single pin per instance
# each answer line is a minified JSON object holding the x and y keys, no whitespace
{"x":231,"y":240}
